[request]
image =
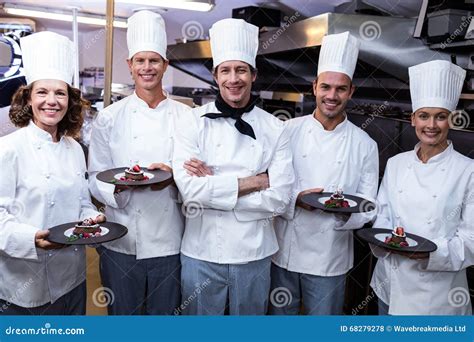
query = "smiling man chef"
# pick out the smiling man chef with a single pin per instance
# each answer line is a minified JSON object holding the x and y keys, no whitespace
{"x":316,"y":247}
{"x":142,"y":268}
{"x":244,"y":179}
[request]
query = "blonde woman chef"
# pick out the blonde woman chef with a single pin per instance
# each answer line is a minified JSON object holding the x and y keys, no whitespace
{"x":429,"y":191}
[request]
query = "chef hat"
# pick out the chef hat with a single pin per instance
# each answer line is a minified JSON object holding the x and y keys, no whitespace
{"x":234,"y":40}
{"x":339,"y":54}
{"x":146,"y":32}
{"x":436,"y":84}
{"x":47,"y":56}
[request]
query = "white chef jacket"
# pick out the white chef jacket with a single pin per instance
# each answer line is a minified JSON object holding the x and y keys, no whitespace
{"x":129,"y":130}
{"x":222,"y":227}
{"x":318,"y":242}
{"x":42,"y":184}
{"x":436,"y":201}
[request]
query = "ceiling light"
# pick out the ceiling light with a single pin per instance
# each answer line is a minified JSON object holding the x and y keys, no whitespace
{"x":192,"y":5}
{"x":49,"y":14}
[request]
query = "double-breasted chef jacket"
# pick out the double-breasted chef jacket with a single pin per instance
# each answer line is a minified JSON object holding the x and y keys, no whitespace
{"x":436,"y":201}
{"x":129,"y":131}
{"x":220,"y":226}
{"x":317,"y":242}
{"x":42,"y":184}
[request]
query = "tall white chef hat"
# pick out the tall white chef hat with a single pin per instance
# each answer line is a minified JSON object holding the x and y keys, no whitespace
{"x":436,"y":84}
{"x":146,"y":32}
{"x":233,"y":40}
{"x":47,"y":56}
{"x":339,"y":54}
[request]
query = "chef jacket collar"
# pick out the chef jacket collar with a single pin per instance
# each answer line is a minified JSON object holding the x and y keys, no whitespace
{"x":339,"y":128}
{"x":143,"y":105}
{"x":437,"y":158}
{"x":39,"y":135}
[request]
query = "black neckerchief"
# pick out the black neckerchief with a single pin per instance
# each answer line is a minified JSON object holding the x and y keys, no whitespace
{"x":235,"y":113}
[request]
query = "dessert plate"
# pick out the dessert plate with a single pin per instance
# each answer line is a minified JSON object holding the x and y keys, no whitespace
{"x":110,"y":231}
{"x":356,"y":204}
{"x":376,"y":236}
{"x":113,"y":176}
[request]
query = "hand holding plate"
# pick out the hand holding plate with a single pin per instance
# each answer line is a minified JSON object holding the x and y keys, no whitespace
{"x":300,"y":204}
{"x":41,"y":242}
{"x":163,"y":167}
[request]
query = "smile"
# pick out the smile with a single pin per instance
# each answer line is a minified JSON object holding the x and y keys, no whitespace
{"x":147,"y":76}
{"x":50,"y":110}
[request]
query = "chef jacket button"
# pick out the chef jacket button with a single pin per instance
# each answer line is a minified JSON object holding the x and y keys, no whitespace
{"x":80,"y":198}
{"x":47,"y":175}
{"x":218,"y":145}
{"x":134,"y":137}
{"x":138,"y":211}
{"x":78,"y":173}
{"x":75,"y":249}
{"x":434,"y":196}
{"x":51,"y":203}
{"x":394,"y":267}
{"x":397,"y":216}
{"x":443,"y":169}
{"x":400,"y":191}
{"x":38,"y":147}
{"x":429,"y":222}
{"x":50,"y":254}
{"x":304,"y":155}
{"x":339,"y":162}
{"x":472,"y":236}
{"x":309,"y":131}
{"x":135,"y":111}
{"x":253,"y":145}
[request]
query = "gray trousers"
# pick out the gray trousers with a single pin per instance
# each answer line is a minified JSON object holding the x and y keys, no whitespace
{"x":217,"y":289}
{"x":318,"y":295}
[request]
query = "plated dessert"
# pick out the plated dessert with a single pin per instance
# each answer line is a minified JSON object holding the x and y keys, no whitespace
{"x":398,"y":238}
{"x":85,"y":229}
{"x":337,"y":200}
{"x":134,"y":173}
